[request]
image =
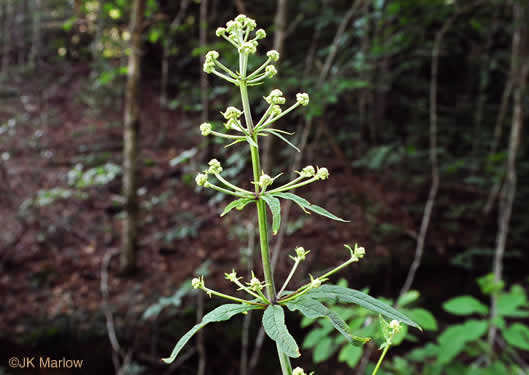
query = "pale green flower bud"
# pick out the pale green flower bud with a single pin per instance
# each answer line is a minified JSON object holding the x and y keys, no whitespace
{"x":265,"y":180}
{"x":205,"y":128}
{"x":231,"y":124}
{"x":260,"y":34}
{"x":298,"y":371}
{"x":198,"y":282}
{"x":242,"y":19}
{"x":248,"y":47}
{"x":214,"y":166}
{"x":301,"y":253}
{"x":220,"y":31}
{"x":302,"y":98}
{"x":231,"y":113}
{"x":231,"y":276}
{"x":308,"y":172}
{"x":275,"y":110}
{"x":275,"y":97}
{"x":271,"y":71}
{"x":209,"y":63}
{"x":209,"y":66}
{"x":395,"y":326}
{"x":212,"y":55}
{"x":273,"y":55}
{"x":359,"y":252}
{"x":255,"y":284}
{"x":315,"y":283}
{"x":322,"y":174}
{"x":251,"y":24}
{"x":201,"y":179}
{"x":233,"y":26}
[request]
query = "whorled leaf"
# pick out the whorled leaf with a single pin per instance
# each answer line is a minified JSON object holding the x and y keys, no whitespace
{"x":275,"y":327}
{"x":275,"y":207}
{"x":221,"y":313}
{"x":306,"y":205}
{"x":315,"y":309}
{"x":338,"y":294}
{"x":238,"y":204}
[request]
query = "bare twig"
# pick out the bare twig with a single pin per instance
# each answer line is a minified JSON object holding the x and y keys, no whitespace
{"x":520,"y":52}
{"x":434,"y":187}
{"x":111,"y":331}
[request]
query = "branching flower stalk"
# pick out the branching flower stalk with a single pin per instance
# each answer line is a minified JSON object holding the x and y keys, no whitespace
{"x":308,"y":298}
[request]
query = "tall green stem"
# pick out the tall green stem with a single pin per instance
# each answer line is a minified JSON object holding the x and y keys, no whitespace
{"x":286,"y":367}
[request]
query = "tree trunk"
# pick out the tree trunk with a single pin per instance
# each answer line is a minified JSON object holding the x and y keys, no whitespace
{"x":34,"y":54}
{"x":20,"y":31}
{"x":520,"y":69}
{"x":204,"y":85}
{"x":130,"y":143}
{"x":8,"y":19}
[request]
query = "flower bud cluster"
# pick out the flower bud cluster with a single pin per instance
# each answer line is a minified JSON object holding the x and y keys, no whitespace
{"x":214,"y":166}
{"x":235,"y":30}
{"x":275,"y":97}
{"x":255,"y":284}
{"x":273,"y":55}
{"x":232,"y":276}
{"x":202,"y":179}
{"x":322,"y":174}
{"x":307,"y":172}
{"x":265,"y":181}
{"x":205,"y":128}
{"x":248,"y":48}
{"x":198,"y":283}
{"x":357,"y":253}
{"x":299,"y":371}
{"x":395,"y":327}
{"x":270,"y":71}
{"x":302,"y":98}
{"x":301,"y":254}
{"x":315,"y":283}
{"x":209,"y":63}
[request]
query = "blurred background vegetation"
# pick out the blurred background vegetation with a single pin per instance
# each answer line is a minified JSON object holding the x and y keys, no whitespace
{"x":417,"y":109}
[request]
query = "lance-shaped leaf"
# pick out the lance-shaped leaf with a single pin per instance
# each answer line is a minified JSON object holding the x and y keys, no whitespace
{"x":238,"y":204}
{"x":338,"y":294}
{"x":306,"y":205}
{"x":275,"y":207}
{"x":221,"y":313}
{"x":276,"y":132}
{"x":314,"y":309}
{"x":275,"y":327}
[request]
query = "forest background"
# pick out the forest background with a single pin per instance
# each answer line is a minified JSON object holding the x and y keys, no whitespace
{"x":417,"y":110}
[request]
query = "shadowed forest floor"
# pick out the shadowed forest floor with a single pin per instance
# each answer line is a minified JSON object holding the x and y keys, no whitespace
{"x":52,"y":268}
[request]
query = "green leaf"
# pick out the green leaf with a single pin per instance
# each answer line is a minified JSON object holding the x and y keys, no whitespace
{"x":338,"y":294}
{"x":221,"y":313}
{"x":465,"y":305}
{"x":509,"y":304}
{"x":305,"y":205}
{"x":238,"y":204}
{"x":424,"y":318}
{"x":409,"y":297}
{"x":250,"y":141}
{"x":350,"y":355}
{"x":276,"y":133}
{"x":323,"y":350}
{"x":454,"y":339}
{"x":275,"y":328}
{"x":275,"y":207}
{"x":517,"y":335}
{"x":315,"y":309}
